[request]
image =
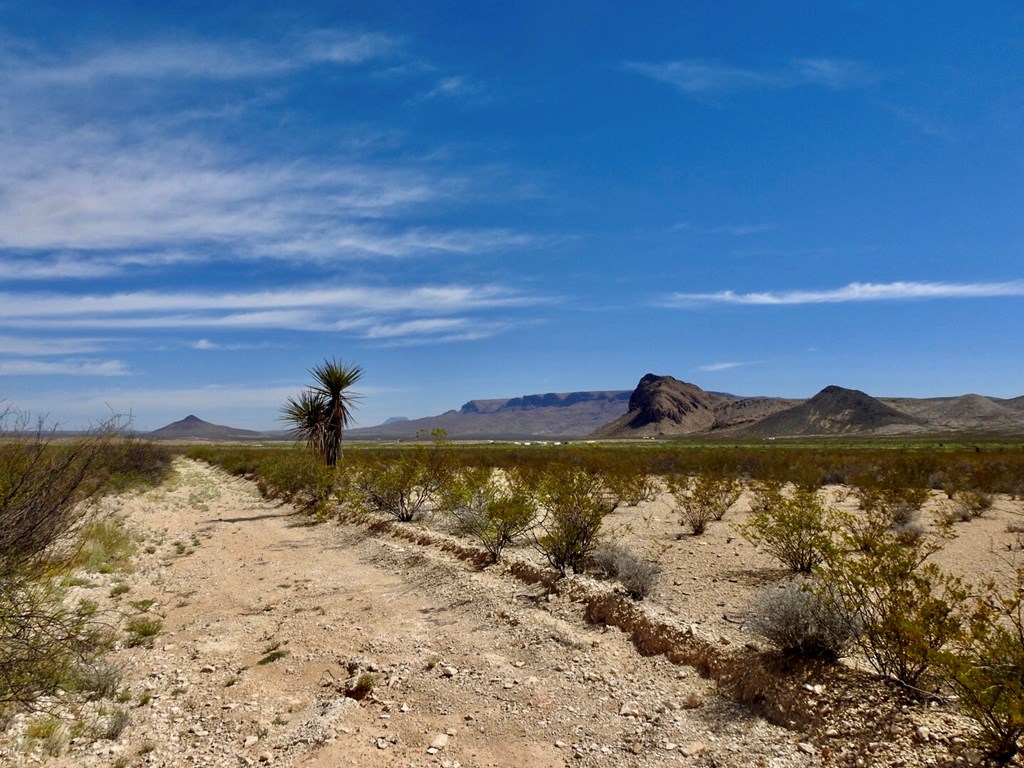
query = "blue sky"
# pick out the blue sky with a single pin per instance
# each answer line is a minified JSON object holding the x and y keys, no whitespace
{"x":200,"y":201}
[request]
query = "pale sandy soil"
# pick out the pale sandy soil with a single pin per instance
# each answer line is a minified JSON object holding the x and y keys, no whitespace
{"x":491,"y":670}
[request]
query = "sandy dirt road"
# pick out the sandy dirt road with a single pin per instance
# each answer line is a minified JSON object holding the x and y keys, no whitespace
{"x":266,"y":616}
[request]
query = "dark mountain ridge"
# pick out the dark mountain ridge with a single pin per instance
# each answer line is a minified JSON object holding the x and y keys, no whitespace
{"x":194,"y":428}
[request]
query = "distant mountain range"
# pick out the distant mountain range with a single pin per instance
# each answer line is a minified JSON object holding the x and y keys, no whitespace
{"x":548,"y":416}
{"x":662,"y":406}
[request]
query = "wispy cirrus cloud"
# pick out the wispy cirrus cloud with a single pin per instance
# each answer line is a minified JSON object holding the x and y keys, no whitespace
{"x":698,"y":76}
{"x":853,"y":292}
{"x":452,"y":87}
{"x":191,"y":59}
{"x":713,"y":367}
{"x":424,"y":313}
{"x":136,"y":169}
{"x":20,"y":367}
{"x":734,"y":230}
{"x":44,"y":347}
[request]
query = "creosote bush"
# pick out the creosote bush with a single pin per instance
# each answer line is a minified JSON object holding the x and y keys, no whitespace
{"x":984,"y":665}
{"x":299,"y":477}
{"x":402,"y":485}
{"x":493,"y":510}
{"x":795,"y":528}
{"x":627,"y":480}
{"x":907,"y":609}
{"x":703,"y":498}
{"x":575,"y":507}
{"x":47,"y":644}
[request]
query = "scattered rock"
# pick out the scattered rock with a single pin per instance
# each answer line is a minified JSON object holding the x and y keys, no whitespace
{"x":439,"y":742}
{"x":630,"y":709}
{"x":693,"y":748}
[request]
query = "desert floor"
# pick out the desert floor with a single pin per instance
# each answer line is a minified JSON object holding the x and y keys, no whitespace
{"x":266,"y":616}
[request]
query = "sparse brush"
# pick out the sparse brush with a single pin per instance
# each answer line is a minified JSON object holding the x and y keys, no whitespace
{"x":115,"y":724}
{"x":637,"y":576}
{"x":494,"y":511}
{"x":107,"y":546}
{"x":907,"y":609}
{"x":976,"y":503}
{"x":627,"y":480}
{"x":50,"y":732}
{"x":983,"y":666}
{"x":141,"y":630}
{"x":799,"y":622}
{"x":797,"y":529}
{"x":575,"y":507}
{"x":703,"y":498}
{"x":360,"y":686}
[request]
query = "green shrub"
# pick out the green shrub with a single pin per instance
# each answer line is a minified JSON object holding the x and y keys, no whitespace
{"x":906,"y":608}
{"x":142,"y":630}
{"x":703,"y":498}
{"x":50,"y":732}
{"x":107,"y":546}
{"x":402,"y":486}
{"x":975,"y":503}
{"x":493,"y":510}
{"x":796,"y":529}
{"x":574,"y":507}
{"x":985,"y":666}
{"x":299,"y":477}
{"x":360,"y":686}
{"x":890,"y":491}
{"x":45,"y":487}
{"x":627,"y":481}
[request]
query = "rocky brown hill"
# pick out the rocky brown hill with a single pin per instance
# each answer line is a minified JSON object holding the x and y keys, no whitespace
{"x":662,"y":406}
{"x":836,"y":411}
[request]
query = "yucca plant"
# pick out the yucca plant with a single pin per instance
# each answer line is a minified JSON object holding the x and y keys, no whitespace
{"x":321,"y":412}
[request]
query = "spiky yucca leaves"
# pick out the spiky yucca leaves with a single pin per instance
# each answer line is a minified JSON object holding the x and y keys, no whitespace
{"x":321,"y":412}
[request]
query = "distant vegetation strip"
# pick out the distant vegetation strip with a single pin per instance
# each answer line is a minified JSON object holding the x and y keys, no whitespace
{"x":989,"y":466}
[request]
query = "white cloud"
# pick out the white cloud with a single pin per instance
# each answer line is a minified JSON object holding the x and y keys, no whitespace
{"x":38,"y":347}
{"x":205,"y":345}
{"x":712,"y":367}
{"x":855,"y":292}
{"x":191,"y":59}
{"x":130,"y":172}
{"x":450,"y":87}
{"x":735,"y":230}
{"x":696,"y":76}
{"x":84,"y":265}
{"x":63,"y":368}
{"x":374,"y":313}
